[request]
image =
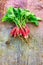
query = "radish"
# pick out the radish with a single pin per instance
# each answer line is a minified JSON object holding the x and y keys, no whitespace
{"x":15,"y":34}
{"x":25,"y":32}
{"x":20,"y":31}
{"x":17,"y":31}
{"x":12,"y":32}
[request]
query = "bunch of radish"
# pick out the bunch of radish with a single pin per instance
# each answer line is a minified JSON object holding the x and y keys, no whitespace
{"x":20,"y":17}
{"x":20,"y":32}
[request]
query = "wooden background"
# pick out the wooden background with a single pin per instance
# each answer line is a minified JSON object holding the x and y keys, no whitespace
{"x":18,"y":52}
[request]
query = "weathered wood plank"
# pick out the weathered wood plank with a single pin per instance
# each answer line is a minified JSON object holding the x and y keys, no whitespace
{"x":18,"y":52}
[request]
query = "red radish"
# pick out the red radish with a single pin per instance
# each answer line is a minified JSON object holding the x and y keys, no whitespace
{"x":25,"y":32}
{"x":12,"y":32}
{"x":20,"y":31}
{"x":15,"y":34}
{"x":17,"y":31}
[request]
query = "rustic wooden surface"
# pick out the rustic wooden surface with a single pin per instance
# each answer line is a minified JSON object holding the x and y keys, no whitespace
{"x":18,"y":52}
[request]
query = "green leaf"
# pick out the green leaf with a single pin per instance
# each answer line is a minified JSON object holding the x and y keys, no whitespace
{"x":9,"y":16}
{"x":39,"y":19}
{"x":36,"y":23}
{"x":33,"y":19}
{"x":20,"y":17}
